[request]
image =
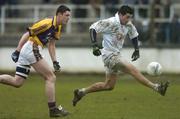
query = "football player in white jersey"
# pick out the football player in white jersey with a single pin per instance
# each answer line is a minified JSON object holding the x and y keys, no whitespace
{"x":114,"y":31}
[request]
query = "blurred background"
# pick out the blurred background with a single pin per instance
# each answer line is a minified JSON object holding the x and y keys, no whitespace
{"x":157,"y":22}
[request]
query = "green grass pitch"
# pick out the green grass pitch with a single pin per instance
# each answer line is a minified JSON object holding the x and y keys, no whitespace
{"x":129,"y":99}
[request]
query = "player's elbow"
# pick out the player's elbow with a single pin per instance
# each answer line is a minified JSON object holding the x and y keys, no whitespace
{"x":110,"y":88}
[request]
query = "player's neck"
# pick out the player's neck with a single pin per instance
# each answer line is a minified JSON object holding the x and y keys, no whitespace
{"x":58,"y":21}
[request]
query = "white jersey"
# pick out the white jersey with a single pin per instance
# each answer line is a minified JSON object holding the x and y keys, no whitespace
{"x":114,"y":33}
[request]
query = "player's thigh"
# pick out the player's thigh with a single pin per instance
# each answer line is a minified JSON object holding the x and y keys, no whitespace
{"x":43,"y":68}
{"x":127,"y":67}
{"x":116,"y":63}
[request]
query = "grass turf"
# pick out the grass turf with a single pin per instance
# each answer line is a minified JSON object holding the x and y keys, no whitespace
{"x":129,"y":99}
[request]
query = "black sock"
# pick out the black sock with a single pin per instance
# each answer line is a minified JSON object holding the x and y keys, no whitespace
{"x":51,"y":105}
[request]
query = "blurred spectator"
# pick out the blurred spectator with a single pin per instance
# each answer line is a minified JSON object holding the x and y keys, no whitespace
{"x":169,"y":32}
{"x":54,"y":1}
{"x":59,"y":1}
{"x":143,"y":12}
{"x":12,"y":2}
{"x":163,"y":34}
{"x":96,"y":8}
{"x":142,"y":2}
{"x":2,"y":2}
{"x":128,"y":2}
{"x":167,"y":6}
{"x":46,"y":1}
{"x":109,"y":5}
{"x":12,"y":12}
{"x":157,"y":11}
{"x":175,"y":29}
{"x":80,"y":12}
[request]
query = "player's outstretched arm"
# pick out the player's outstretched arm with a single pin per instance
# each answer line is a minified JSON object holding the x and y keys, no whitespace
{"x":52,"y":53}
{"x":22,"y":41}
{"x":15,"y":54}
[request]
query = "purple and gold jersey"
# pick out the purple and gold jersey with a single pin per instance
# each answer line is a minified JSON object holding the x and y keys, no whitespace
{"x":44,"y":30}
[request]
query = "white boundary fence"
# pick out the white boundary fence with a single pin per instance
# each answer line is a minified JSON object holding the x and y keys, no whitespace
{"x":82,"y":60}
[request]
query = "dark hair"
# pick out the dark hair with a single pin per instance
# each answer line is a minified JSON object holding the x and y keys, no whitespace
{"x":61,"y":9}
{"x":125,"y":9}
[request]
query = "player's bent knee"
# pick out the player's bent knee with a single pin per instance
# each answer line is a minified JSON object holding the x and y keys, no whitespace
{"x":109,"y":88}
{"x":18,"y":82}
{"x":18,"y":85}
{"x":51,"y":77}
{"x":54,"y":76}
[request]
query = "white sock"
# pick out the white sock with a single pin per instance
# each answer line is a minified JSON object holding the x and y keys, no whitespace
{"x":156,"y":86}
{"x":83,"y":90}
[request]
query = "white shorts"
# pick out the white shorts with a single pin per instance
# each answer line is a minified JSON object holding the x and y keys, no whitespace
{"x":113,"y":62}
{"x":30,"y":53}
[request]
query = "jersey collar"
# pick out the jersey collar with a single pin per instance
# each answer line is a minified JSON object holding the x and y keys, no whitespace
{"x":117,"y":18}
{"x":54,"y":21}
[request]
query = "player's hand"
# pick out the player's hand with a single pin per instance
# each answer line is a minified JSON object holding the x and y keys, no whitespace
{"x":15,"y":56}
{"x":135,"y":55}
{"x":96,"y":50}
{"x":56,"y":66}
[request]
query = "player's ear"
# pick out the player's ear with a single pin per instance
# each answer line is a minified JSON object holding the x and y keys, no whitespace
{"x":58,"y":14}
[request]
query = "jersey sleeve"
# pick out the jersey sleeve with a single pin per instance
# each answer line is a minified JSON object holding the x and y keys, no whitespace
{"x":101,"y":26}
{"x":38,"y":27}
{"x":132,"y":31}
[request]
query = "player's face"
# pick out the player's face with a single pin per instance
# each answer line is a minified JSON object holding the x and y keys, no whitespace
{"x":125,"y":18}
{"x":64,"y":17}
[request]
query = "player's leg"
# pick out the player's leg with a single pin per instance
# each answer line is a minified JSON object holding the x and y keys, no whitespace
{"x":22,"y":71}
{"x":107,"y":85}
{"x":17,"y":81}
{"x":132,"y":70}
{"x":46,"y":71}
